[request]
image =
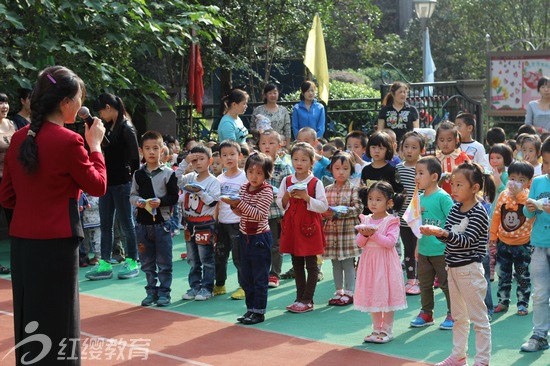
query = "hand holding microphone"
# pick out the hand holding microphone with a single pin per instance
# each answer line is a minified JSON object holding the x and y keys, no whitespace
{"x":95,"y":132}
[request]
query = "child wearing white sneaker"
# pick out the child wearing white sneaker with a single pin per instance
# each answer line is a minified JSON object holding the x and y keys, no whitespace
{"x":380,"y":289}
{"x":412,"y":147}
{"x":435,"y":205}
{"x":341,"y":218}
{"x":201,"y":194}
{"x":466,"y":234}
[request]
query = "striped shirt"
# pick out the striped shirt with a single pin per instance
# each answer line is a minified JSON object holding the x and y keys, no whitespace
{"x":254,"y":209}
{"x":407,"y":177}
{"x":468,"y":235}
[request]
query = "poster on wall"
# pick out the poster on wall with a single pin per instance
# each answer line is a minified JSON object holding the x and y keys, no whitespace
{"x":513,"y":78}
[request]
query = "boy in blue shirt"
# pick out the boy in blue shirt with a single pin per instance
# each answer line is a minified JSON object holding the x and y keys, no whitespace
{"x":154,"y":193}
{"x":540,"y":257}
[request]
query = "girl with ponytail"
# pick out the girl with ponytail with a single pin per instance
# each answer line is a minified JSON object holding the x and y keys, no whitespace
{"x":122,"y":160}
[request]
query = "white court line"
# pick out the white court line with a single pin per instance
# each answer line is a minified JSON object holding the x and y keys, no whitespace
{"x":122,"y":342}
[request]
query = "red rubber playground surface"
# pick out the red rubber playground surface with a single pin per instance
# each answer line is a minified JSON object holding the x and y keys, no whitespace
{"x":116,"y":330}
{"x":177,"y":339}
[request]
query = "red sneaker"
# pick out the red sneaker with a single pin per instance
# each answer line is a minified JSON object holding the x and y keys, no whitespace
{"x":273,"y":282}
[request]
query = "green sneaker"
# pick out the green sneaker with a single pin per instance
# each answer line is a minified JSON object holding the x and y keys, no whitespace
{"x":130,"y":269}
{"x":102,"y":271}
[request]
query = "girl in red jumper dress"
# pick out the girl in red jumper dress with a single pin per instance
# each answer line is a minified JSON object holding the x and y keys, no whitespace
{"x":302,"y":196}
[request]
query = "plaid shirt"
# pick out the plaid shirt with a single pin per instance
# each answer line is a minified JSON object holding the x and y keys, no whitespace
{"x":340,"y":231}
{"x":280,"y":171}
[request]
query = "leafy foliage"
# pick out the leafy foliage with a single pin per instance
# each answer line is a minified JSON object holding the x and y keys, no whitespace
{"x":103,"y":41}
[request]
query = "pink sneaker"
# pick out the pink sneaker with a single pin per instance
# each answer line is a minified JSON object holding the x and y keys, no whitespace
{"x":299,"y":307}
{"x":413,"y":288}
{"x":436,"y":282}
{"x":452,"y":361}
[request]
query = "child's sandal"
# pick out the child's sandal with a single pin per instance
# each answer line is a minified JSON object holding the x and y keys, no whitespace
{"x":371,"y":337}
{"x":335,"y":299}
{"x":383,"y":337}
{"x":345,"y":300}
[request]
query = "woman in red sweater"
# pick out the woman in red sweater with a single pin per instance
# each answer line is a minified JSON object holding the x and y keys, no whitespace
{"x":46,"y":167}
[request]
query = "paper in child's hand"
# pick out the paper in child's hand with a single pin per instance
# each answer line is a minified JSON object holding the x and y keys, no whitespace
{"x":193,"y":187}
{"x":151,"y":210}
{"x":297,"y":187}
{"x":231,"y":197}
{"x":366,"y":226}
{"x":539,"y":203}
{"x":339,"y":209}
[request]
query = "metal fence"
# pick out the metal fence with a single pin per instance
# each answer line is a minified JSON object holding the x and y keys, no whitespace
{"x":435,"y":102}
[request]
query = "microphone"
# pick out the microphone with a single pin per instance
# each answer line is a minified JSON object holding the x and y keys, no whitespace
{"x":84,"y":113}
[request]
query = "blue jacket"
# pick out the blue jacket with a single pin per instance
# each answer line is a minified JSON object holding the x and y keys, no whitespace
{"x":314,"y":118}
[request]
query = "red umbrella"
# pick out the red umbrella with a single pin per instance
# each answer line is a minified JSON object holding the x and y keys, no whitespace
{"x":195,"y":89}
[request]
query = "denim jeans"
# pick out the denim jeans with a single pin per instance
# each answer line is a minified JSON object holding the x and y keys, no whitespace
{"x":517,"y":257}
{"x":255,"y":252}
{"x":200,"y":256}
{"x":117,"y":199}
{"x":156,"y":253}
{"x":487,"y":269}
{"x":540,"y":278}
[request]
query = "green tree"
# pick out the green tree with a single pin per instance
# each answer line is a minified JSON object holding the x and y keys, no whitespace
{"x":458,"y":30}
{"x":263,"y":34}
{"x":104,"y":41}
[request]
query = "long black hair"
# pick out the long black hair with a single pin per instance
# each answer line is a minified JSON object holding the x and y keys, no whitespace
{"x":116,"y":103}
{"x":54,"y":84}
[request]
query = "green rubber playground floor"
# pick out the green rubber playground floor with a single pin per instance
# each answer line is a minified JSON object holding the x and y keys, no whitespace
{"x":337,"y":325}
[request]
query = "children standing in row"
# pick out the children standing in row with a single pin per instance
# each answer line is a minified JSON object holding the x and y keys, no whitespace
{"x":154,"y":187}
{"x":465,"y":234}
{"x":201,"y":192}
{"x":270,"y":143}
{"x":339,"y":228}
{"x":380,"y":288}
{"x":435,"y":205}
{"x":301,"y":228}
{"x":510,"y":235}
{"x":412,"y":148}
{"x":255,"y":243}
{"x":228,"y":222}
{"x":540,"y":258}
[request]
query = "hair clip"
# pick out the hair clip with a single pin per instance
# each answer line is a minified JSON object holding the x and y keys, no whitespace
{"x":31,"y":133}
{"x":51,"y":79}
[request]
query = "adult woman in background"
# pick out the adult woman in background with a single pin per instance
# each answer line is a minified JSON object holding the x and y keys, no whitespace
{"x":396,"y":114}
{"x":23,"y":118}
{"x":538,"y":111}
{"x":7,"y":129}
{"x":121,"y":159}
{"x":45,"y":169}
{"x":278,"y":115}
{"x":231,"y":126}
{"x":309,"y":112}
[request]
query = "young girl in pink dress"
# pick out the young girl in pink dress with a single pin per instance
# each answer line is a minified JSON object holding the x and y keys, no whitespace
{"x":379,"y":284}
